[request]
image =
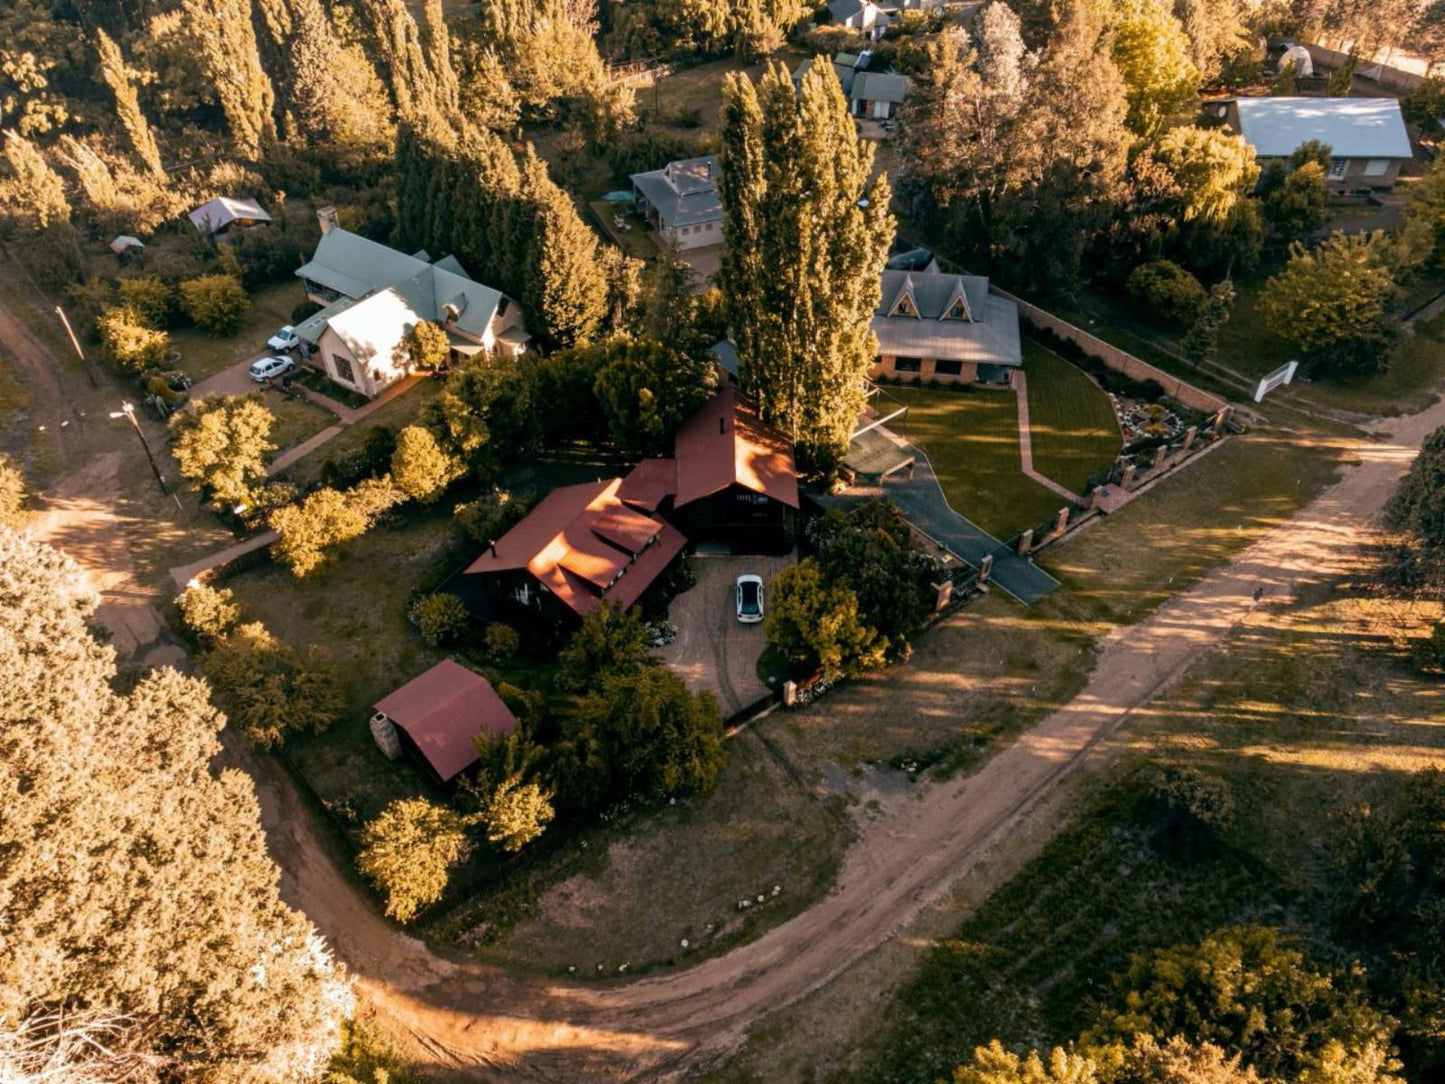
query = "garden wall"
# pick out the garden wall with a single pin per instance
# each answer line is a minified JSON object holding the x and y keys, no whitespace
{"x":1119,"y":360}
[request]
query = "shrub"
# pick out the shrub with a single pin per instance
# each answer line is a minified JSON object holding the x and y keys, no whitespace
{"x":208,"y":612}
{"x":126,"y":340}
{"x":327,"y":518}
{"x":490,"y":516}
{"x":408,"y":852}
{"x":501,"y":641}
{"x":12,"y":492}
{"x":439,"y":618}
{"x":516,"y":813}
{"x":426,"y":345}
{"x":1190,"y":807}
{"x":271,"y":689}
{"x":304,"y":310}
{"x":1165,"y":288}
{"x":153,"y":299}
{"x":216,"y":303}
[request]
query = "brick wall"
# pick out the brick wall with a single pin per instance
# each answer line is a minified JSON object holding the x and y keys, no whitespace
{"x":1119,"y":360}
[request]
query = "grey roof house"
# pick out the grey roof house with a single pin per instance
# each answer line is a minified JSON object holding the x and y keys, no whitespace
{"x":866,"y":17}
{"x":871,"y":95}
{"x":1366,"y":136}
{"x":372,"y":296}
{"x":681,"y":201}
{"x":950,"y":328}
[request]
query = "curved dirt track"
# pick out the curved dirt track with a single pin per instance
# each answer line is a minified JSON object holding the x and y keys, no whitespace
{"x":486,"y":1023}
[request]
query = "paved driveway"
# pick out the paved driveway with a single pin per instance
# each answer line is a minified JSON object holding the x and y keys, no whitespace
{"x":232,"y":380}
{"x":713,"y":650}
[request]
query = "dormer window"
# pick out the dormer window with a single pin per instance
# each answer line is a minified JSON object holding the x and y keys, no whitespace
{"x":957,"y":307}
{"x":905,"y":304}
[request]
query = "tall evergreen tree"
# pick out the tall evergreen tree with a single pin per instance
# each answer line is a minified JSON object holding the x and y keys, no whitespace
{"x":127,"y":103}
{"x":422,"y":80}
{"x":565,"y":289}
{"x":333,"y":93}
{"x":32,"y":194}
{"x":808,"y":235}
{"x":133,"y":877}
{"x":224,"y":37}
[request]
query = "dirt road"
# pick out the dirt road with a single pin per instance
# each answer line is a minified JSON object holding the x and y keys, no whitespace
{"x":488,"y":1024}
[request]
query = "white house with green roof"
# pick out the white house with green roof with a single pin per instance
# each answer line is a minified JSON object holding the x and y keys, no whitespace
{"x":371,"y":298}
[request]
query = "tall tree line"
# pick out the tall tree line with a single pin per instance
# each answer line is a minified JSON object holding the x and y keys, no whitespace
{"x":808,"y":234}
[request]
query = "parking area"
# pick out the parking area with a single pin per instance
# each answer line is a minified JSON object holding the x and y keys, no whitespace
{"x":713,"y":650}
{"x":232,"y":380}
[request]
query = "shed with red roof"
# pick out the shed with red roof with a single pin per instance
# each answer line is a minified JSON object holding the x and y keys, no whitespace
{"x":440,"y":713}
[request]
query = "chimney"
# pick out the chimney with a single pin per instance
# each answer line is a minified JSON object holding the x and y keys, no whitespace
{"x":492,"y":545}
{"x":328,"y":218}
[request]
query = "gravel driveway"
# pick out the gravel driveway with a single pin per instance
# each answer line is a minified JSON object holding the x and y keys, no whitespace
{"x":713,"y":650}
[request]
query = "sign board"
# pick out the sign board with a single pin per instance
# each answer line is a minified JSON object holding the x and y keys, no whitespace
{"x":1283,"y":375}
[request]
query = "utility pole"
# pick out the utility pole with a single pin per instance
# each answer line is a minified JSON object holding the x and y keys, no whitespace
{"x":65,"y":322}
{"x":127,"y":411}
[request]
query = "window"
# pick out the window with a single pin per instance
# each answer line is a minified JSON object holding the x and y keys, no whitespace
{"x":907,"y":365}
{"x":1377,"y":167}
{"x":343,"y":368}
{"x":904,"y":306}
{"x":709,"y":227}
{"x":948,"y":368}
{"x":1338,"y":167}
{"x":958,"y":310}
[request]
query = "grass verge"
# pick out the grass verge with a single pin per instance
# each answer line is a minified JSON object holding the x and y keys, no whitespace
{"x":204,"y":355}
{"x":1072,"y":427}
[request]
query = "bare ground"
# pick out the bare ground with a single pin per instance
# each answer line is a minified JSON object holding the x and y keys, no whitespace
{"x":481,"y":1022}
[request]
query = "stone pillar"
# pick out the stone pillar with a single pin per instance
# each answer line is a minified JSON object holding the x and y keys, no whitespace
{"x":790,"y":693}
{"x":1095,"y":496}
{"x":1061,"y":522}
{"x":1189,"y":435}
{"x":1128,"y":476}
{"x":943,"y":596}
{"x":1160,"y":454}
{"x":985,"y":569}
{"x":1221,"y":419}
{"x":1026,"y":542}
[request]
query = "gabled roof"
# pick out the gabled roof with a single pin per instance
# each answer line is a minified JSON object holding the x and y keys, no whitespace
{"x":992,"y":338}
{"x":879,"y":87}
{"x":216,"y":214}
{"x":724,"y":444}
{"x":354,"y":265}
{"x":443,"y":710}
{"x":1353,"y":127}
{"x":842,"y":10}
{"x":586,"y":546}
{"x":905,"y":300}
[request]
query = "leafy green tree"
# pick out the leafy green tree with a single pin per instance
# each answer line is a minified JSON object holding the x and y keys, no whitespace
{"x":1147,"y":1060}
{"x":439,"y":617}
{"x":12,"y":492}
{"x":1297,"y":206}
{"x":408,"y":853}
{"x":1201,"y":344}
{"x":491,"y":515}
{"x":209,"y":613}
{"x":32,"y":194}
{"x":566,"y":291}
{"x":609,"y":640}
{"x":1217,"y":34}
{"x":1312,"y":150}
{"x":1418,"y":503}
{"x":871,"y":550}
{"x":1152,"y":53}
{"x":427,"y":346}
{"x":646,"y":390}
{"x":216,"y":303}
{"x":801,"y":276}
{"x":326,"y":519}
{"x":271,"y":689}
{"x":516,"y":813}
{"x":127,"y":342}
{"x":222,"y":443}
{"x":420,"y":468}
{"x":122,"y":84}
{"x":654,"y":737}
{"x":1249,"y":989}
{"x":331,"y":88}
{"x":992,"y":1064}
{"x":488,"y":413}
{"x":814,"y":622}
{"x":1190,"y":808}
{"x":1165,"y":289}
{"x":1333,"y":300}
{"x":135,"y":871}
{"x":1213,"y":169}
{"x":1424,"y":227}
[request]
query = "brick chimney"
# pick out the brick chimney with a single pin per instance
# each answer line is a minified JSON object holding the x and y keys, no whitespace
{"x":327,"y":216}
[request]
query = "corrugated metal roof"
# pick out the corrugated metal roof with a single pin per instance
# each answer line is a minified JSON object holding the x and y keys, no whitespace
{"x":443,"y":710}
{"x":686,"y":195}
{"x":725,"y":443}
{"x":354,"y":265}
{"x":880,"y":87}
{"x":218,"y":213}
{"x":1353,"y":127}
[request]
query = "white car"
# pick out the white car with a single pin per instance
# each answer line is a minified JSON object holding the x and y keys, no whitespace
{"x":285,"y":339}
{"x":270,"y":368}
{"x":750,"y":599}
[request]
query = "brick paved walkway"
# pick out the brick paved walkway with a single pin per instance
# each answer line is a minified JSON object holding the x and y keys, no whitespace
{"x":1020,"y":385}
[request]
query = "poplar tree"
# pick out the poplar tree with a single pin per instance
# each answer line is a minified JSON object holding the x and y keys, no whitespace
{"x":225,"y":40}
{"x":565,"y":290}
{"x":423,"y":83}
{"x":808,"y":236}
{"x":333,"y":92}
{"x":127,"y":103}
{"x":32,"y":194}
{"x":134,"y":877}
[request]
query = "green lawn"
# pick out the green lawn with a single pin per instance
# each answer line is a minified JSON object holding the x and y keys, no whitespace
{"x":1071,"y":420}
{"x":271,"y":307}
{"x":972,"y":439}
{"x":395,"y":415}
{"x":296,"y":420}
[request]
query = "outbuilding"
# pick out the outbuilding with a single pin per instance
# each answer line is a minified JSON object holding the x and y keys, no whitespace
{"x":1366,"y":136}
{"x":439,"y":715}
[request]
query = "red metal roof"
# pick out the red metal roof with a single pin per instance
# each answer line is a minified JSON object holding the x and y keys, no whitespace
{"x":649,"y":483}
{"x":443,"y":710}
{"x":586,"y":546}
{"x":725,"y":443}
